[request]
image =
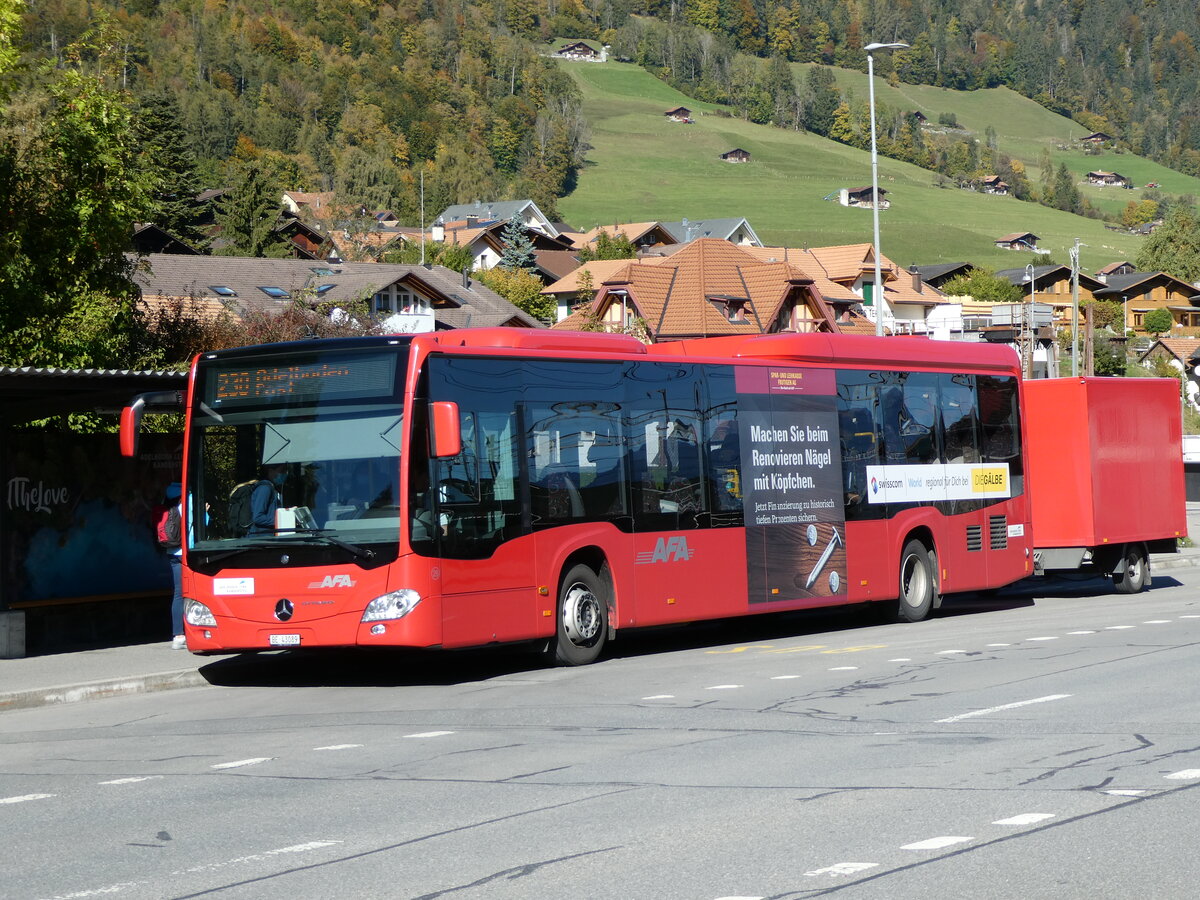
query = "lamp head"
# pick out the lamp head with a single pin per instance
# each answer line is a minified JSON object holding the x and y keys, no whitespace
{"x":871,"y":48}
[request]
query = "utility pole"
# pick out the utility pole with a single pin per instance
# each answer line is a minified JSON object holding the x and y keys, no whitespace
{"x":1027,"y":324}
{"x":1074,"y":252}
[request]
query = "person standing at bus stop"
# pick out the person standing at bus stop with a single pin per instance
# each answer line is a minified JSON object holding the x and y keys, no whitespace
{"x":174,"y":497}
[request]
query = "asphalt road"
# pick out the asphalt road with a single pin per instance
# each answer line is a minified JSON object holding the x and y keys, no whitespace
{"x":1028,"y":745}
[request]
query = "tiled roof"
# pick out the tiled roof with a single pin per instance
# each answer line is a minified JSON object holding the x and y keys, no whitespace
{"x":1181,"y":348}
{"x":1015,"y":236}
{"x":674,"y":295}
{"x":601,"y":270}
{"x":632,"y":231}
{"x":196,"y":276}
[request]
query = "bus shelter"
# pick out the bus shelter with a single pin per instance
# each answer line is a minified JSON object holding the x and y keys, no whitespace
{"x":78,"y":561}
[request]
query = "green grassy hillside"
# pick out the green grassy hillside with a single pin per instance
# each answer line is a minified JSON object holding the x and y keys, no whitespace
{"x":645,"y":168}
{"x":1024,"y":129}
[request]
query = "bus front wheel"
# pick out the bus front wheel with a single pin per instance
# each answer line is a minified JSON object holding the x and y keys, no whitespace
{"x":582,"y":618}
{"x":916,"y":583}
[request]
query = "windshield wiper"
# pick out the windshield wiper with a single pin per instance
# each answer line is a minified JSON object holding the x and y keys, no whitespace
{"x":322,"y":534}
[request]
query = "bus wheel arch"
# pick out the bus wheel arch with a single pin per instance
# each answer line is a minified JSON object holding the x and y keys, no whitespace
{"x":917,"y":588}
{"x":584,"y":610}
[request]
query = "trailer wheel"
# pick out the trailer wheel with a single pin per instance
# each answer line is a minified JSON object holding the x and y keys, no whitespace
{"x":1136,"y":577}
{"x":582,"y":618}
{"x":916,"y":583}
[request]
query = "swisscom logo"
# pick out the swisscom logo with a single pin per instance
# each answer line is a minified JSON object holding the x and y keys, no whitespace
{"x":874,"y":485}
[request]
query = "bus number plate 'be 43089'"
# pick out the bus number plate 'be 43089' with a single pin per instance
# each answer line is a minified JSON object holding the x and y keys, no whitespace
{"x":285,"y":640}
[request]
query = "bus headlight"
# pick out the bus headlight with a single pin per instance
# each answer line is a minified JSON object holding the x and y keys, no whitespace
{"x":196,"y":613}
{"x":393,"y":605}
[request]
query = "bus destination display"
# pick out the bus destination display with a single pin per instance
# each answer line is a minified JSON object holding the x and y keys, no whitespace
{"x":367,"y":376}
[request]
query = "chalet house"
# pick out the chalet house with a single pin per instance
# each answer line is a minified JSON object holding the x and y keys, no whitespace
{"x":1140,"y":292}
{"x":486,"y":242}
{"x":938,"y":274}
{"x":735,"y":231}
{"x":1182,"y":355}
{"x":737,"y":155}
{"x":642,"y":235}
{"x":307,"y":242}
{"x":1109,"y":178}
{"x":708,"y":288}
{"x":992,"y":184}
{"x":1052,"y":286}
{"x":566,"y":290}
{"x":1124,"y":267}
{"x":1021,"y":240}
{"x":1096,"y":138}
{"x":478,"y":214}
{"x":313,"y":205}
{"x":679,"y":114}
{"x":919,"y":117}
{"x":403,"y":299}
{"x":581,"y":51}
{"x":862,"y":197}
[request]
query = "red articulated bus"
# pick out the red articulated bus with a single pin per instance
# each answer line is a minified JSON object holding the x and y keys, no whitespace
{"x":485,"y":486}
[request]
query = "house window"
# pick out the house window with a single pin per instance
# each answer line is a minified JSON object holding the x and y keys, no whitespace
{"x":1137,"y":319}
{"x":322,"y":289}
{"x":275,"y":293}
{"x":222,"y":291}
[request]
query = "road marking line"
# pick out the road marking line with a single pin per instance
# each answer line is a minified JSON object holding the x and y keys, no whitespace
{"x":1184,"y":775}
{"x":1081,"y":632}
{"x":1157,"y":622}
{"x":660,"y":697}
{"x":25,"y":797}
{"x":901,"y":659}
{"x":741,"y":898}
{"x":723,"y":687}
{"x":1042,"y":639}
{"x":427,"y":734}
{"x":1024,"y":819}
{"x":845,"y":868}
{"x":339,"y":747}
{"x":1189,"y":617}
{"x":243,"y":762}
{"x":937,"y":843}
{"x":992,"y":709}
{"x":783,"y":677}
{"x":1125,"y":793}
{"x":843,"y":668}
{"x":1118,"y":627}
{"x":131,"y":780}
{"x":943,"y":652}
{"x":999,"y":645}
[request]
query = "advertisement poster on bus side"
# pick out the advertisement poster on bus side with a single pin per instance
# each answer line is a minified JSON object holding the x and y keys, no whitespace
{"x":792,"y":484}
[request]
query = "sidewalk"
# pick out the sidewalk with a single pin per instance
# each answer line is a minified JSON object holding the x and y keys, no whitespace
{"x":144,"y":668}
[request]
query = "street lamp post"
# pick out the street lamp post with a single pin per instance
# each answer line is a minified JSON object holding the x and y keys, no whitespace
{"x":877,"y":288}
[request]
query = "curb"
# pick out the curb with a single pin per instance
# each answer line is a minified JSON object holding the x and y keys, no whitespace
{"x":96,"y":690}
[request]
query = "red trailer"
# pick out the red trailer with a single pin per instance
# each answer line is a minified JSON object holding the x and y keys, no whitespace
{"x":1105,"y":468}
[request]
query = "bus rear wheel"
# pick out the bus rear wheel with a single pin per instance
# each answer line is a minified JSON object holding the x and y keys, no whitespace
{"x":916,"y":583}
{"x":1136,"y":576}
{"x":582,"y":618}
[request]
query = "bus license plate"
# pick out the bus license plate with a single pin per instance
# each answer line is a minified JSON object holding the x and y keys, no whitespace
{"x":285,"y":640}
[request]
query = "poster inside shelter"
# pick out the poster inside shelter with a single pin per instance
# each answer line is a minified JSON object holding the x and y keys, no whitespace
{"x":792,"y":483}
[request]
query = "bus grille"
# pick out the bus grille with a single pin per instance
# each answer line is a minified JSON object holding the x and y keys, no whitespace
{"x":974,"y":537}
{"x":998,"y":526}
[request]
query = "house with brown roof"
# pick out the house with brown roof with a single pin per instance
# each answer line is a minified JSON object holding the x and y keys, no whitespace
{"x":993,"y":184}
{"x":580,"y":51}
{"x":1182,"y":355}
{"x":402,"y":298}
{"x":1121,"y":267}
{"x":566,"y":291}
{"x":1018,"y":240}
{"x":642,"y":235}
{"x":1052,"y":285}
{"x":862,"y":197}
{"x":736,"y":155}
{"x":1140,"y":292}
{"x":1097,"y":137}
{"x":680,"y":114}
{"x":1103,"y":178}
{"x":708,"y":288}
{"x":487,"y":244}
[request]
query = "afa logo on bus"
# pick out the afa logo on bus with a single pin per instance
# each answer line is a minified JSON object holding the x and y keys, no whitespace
{"x":332,"y":581}
{"x":674,"y":549}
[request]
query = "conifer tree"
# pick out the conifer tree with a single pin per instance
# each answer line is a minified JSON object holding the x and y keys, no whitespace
{"x":248,"y":213}
{"x":169,"y":161}
{"x":518,"y":249}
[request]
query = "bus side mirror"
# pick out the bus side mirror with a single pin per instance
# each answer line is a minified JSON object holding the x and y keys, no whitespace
{"x":131,"y":416}
{"x":446,"y":432}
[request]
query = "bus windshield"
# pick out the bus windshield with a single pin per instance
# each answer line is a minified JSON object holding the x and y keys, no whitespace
{"x":303,"y":451}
